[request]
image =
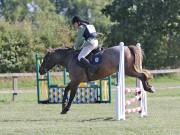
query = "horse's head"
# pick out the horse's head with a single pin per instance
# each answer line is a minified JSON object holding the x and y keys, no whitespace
{"x":48,"y":62}
{"x":55,"y":56}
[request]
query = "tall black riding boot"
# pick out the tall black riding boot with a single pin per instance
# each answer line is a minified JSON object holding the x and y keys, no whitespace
{"x":85,"y":63}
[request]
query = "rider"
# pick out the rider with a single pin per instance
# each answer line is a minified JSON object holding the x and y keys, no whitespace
{"x":85,"y":41}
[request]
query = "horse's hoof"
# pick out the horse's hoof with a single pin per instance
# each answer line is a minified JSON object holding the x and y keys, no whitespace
{"x":151,"y":89}
{"x":64,"y":111}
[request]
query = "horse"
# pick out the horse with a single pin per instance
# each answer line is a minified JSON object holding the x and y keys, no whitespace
{"x":109,"y":64}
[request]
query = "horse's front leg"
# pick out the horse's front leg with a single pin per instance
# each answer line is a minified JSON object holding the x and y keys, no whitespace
{"x":73,"y":88}
{"x":65,"y":96}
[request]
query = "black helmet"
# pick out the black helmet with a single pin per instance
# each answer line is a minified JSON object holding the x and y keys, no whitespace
{"x":76,"y":19}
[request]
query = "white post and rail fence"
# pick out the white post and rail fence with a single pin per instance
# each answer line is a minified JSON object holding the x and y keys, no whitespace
{"x":140,"y":95}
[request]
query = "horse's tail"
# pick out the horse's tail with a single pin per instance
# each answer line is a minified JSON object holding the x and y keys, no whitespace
{"x":138,"y":55}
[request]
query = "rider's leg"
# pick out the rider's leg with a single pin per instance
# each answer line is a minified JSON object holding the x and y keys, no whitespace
{"x":85,"y":62}
{"x":88,"y":47}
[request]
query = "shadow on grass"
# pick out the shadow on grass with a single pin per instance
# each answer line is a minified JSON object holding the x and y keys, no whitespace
{"x":98,"y":119}
{"x":47,"y":120}
{"x":28,"y":120}
{"x":5,"y":101}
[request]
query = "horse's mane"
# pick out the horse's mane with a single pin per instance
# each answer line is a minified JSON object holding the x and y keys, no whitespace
{"x":59,"y":49}
{"x":63,"y":51}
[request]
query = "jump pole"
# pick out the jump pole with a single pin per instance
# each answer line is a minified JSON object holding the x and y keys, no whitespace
{"x":120,"y":95}
{"x":121,"y":90}
{"x":143,"y":102}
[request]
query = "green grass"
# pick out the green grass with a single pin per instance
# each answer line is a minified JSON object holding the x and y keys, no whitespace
{"x":26,"y":117}
{"x":30,"y":83}
{"x":164,"y":81}
{"x":25,"y":82}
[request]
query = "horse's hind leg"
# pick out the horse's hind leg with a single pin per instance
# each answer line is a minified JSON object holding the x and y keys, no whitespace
{"x":73,"y":87}
{"x":143,"y":79}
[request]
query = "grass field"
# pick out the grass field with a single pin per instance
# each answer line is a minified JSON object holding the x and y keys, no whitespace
{"x":25,"y":83}
{"x":26,"y":117}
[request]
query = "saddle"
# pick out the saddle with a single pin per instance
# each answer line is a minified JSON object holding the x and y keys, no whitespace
{"x":95,"y":57}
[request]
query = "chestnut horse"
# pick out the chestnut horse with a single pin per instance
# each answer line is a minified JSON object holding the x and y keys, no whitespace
{"x":67,"y":57}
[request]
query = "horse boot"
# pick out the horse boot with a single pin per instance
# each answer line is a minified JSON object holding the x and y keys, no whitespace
{"x":85,"y":63}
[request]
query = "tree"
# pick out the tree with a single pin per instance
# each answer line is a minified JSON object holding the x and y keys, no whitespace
{"x":15,"y":50}
{"x":152,"y":23}
{"x":13,"y":10}
{"x":86,"y":9}
{"x":22,"y":35}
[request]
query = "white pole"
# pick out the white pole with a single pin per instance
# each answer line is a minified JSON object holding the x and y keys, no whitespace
{"x":120,"y":96}
{"x":143,"y":102}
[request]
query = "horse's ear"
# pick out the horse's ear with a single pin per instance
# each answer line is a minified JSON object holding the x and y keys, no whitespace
{"x":50,"y":50}
{"x":64,"y":46}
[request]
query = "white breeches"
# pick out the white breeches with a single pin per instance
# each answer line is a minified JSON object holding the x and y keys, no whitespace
{"x":89,"y":45}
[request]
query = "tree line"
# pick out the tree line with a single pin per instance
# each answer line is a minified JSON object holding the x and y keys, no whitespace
{"x":31,"y":26}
